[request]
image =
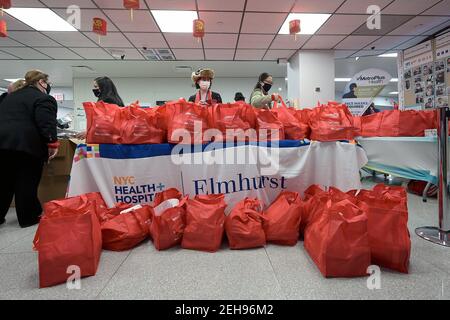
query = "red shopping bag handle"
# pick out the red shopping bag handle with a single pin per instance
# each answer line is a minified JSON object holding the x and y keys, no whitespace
{"x":275,"y":104}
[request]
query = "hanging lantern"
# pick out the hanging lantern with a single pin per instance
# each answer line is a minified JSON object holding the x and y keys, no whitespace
{"x":3,"y":29}
{"x":131,"y":5}
{"x":199,"y":29}
{"x":99,"y":27}
{"x":4,"y":4}
{"x":294,"y":27}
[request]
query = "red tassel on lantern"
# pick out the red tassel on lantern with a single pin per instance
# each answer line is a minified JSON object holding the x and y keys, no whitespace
{"x":199,"y":29}
{"x":131,"y":5}
{"x":294,"y":27}
{"x":3,"y":29}
{"x":99,"y":27}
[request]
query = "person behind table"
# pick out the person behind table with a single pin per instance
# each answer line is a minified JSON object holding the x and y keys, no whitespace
{"x":371,"y":110}
{"x":239,"y":97}
{"x":13,"y":87}
{"x":28,"y":139}
{"x":260,"y":97}
{"x":202,"y":79}
{"x":351,"y":93}
{"x":105,"y":90}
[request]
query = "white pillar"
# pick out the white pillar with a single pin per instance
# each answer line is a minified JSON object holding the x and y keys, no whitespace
{"x":309,"y":70}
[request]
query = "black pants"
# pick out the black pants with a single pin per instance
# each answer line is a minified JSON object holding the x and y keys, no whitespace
{"x":20,"y":176}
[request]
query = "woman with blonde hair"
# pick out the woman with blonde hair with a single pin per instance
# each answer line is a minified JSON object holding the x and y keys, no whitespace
{"x":13,"y":87}
{"x":27,"y":140}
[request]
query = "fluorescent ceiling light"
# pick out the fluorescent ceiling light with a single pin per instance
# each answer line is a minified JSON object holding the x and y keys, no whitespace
{"x":393,"y":92}
{"x":41,"y":19}
{"x":175,"y":21}
{"x":13,"y":80}
{"x":309,"y":22}
{"x":389,"y":55}
{"x":394,"y":80}
{"x":342,"y":79}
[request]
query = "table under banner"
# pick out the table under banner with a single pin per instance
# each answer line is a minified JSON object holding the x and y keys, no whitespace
{"x":135,"y":173}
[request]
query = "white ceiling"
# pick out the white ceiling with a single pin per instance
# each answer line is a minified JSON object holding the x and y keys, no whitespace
{"x":235,"y":29}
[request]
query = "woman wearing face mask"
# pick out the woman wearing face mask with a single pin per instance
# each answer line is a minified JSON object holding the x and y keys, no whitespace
{"x":105,"y":90}
{"x":28,"y":139}
{"x":260,"y":97}
{"x":203,"y":81}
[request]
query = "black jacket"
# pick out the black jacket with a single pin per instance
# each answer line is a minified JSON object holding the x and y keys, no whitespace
{"x":3,"y":96}
{"x":215,"y":96}
{"x":28,"y":122}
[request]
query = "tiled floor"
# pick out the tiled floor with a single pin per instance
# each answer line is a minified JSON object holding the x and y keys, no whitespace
{"x":271,"y":273}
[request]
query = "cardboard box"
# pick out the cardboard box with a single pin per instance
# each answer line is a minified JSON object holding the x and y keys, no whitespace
{"x":53,"y":188}
{"x":61,"y":165}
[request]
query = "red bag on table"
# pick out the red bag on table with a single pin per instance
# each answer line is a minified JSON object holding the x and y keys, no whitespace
{"x":338,"y":241}
{"x":104,"y":123}
{"x":205,"y":218}
{"x":389,"y":238}
{"x":169,"y":219}
{"x":268,"y":126}
{"x":127,"y":229}
{"x":68,"y":235}
{"x":332,"y":123}
{"x":413,"y":123}
{"x":282,"y":219}
{"x":315,"y":199}
{"x":381,"y":124}
{"x":244,"y":225}
{"x":303,"y":115}
{"x":237,"y":116}
{"x":142,"y":126}
{"x":183,"y":119}
{"x":293,"y":128}
{"x":357,"y":124}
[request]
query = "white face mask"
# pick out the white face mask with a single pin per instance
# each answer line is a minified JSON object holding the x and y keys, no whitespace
{"x":204,"y":85}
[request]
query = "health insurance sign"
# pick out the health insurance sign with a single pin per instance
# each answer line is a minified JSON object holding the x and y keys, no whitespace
{"x":363,"y":88}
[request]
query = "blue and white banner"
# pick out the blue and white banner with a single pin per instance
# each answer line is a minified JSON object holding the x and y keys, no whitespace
{"x":135,"y":173}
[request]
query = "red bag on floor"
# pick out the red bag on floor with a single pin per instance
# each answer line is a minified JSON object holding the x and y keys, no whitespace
{"x":126,"y":230}
{"x":186,"y":122}
{"x":315,"y":199}
{"x":142,"y":126}
{"x":238,"y":118}
{"x":293,"y":128}
{"x":68,"y":235}
{"x":418,"y":187}
{"x":338,"y":241}
{"x":389,"y":239}
{"x":381,"y":124}
{"x":169,"y":219}
{"x":414,"y":123}
{"x":282,"y":219}
{"x":104,"y":122}
{"x":332,"y":123}
{"x":244,"y":225}
{"x":268,"y":127}
{"x":205,"y":218}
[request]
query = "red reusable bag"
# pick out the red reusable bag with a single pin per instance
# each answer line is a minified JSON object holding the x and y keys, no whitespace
{"x":338,"y":241}
{"x":268,"y":127}
{"x":413,"y":123}
{"x":142,"y":126}
{"x":186,"y":122}
{"x":167,"y":227}
{"x":293,"y":128}
{"x":357,"y":125}
{"x":235,"y":119}
{"x":104,"y":122}
{"x":381,"y":124}
{"x":303,"y":115}
{"x":332,"y":123}
{"x":315,"y":199}
{"x":389,"y":239}
{"x":128,"y":229}
{"x":68,"y":237}
{"x":282,"y":219}
{"x":205,"y":218}
{"x":244,"y":225}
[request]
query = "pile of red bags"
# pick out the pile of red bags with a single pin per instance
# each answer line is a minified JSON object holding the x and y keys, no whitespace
{"x":347,"y":232}
{"x":295,"y":127}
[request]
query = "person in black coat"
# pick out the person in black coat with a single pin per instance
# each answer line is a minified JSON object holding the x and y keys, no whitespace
{"x":28,"y":139}
{"x":202,"y":79}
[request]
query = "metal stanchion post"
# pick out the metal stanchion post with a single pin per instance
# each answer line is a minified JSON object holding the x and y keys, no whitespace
{"x":441,"y":235}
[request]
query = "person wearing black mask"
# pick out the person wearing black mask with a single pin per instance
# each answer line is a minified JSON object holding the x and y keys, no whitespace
{"x":105,"y":90}
{"x":260,"y":97}
{"x":28,"y":139}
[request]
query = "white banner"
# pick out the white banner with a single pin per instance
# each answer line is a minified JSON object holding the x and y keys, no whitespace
{"x":134,"y":174}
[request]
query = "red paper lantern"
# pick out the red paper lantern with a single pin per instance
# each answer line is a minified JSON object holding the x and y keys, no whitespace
{"x":199,"y":28}
{"x":5,"y":4}
{"x":100,"y":26}
{"x":3,"y":29}
{"x":131,"y":4}
{"x":294,"y":26}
